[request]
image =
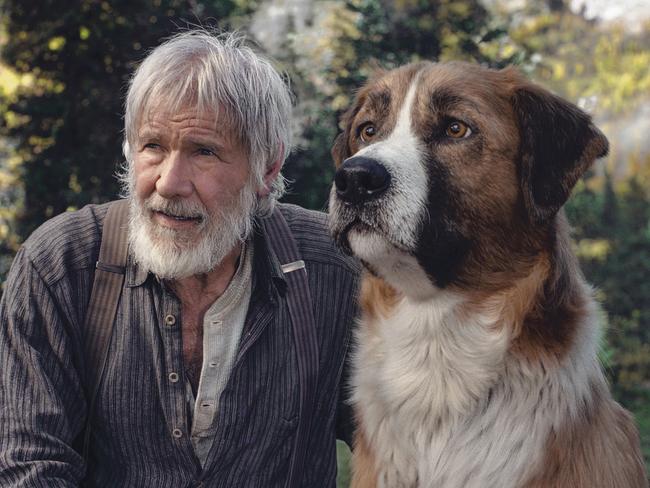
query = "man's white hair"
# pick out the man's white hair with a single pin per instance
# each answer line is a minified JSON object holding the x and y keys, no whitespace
{"x":215,"y":73}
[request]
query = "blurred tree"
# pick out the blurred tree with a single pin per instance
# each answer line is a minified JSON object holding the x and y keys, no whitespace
{"x":368,"y":34}
{"x":604,"y":67}
{"x":610,"y":213}
{"x":63,"y":120}
{"x":613,"y":242}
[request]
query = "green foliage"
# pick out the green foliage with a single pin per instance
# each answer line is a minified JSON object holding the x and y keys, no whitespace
{"x":641,"y":408}
{"x":367,"y":34}
{"x":612,"y":231}
{"x":310,"y":169}
{"x":343,"y":458}
{"x":580,"y":60}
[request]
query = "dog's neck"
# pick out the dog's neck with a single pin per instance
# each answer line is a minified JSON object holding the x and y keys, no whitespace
{"x":558,"y":299}
{"x":471,"y":339}
{"x":543,"y":306}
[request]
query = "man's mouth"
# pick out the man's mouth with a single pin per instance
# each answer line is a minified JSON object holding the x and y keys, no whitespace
{"x":169,"y":219}
{"x":178,"y":217}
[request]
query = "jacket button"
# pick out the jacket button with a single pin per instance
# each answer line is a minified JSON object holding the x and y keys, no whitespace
{"x":178,"y":433}
{"x":170,"y":320}
{"x":173,"y":377}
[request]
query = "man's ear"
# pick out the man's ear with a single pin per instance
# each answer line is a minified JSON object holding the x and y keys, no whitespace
{"x":558,"y":142}
{"x":270,"y":175}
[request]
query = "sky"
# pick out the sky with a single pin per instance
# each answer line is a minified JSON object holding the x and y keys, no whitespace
{"x":631,"y":12}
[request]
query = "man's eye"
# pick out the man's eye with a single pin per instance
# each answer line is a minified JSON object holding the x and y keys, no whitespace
{"x":204,"y":151}
{"x":151,"y":145}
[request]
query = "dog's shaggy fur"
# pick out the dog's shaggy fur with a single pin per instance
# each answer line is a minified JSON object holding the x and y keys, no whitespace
{"x":477,"y":349}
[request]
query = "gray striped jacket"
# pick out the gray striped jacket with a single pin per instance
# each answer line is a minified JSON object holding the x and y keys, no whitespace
{"x":140,"y":429}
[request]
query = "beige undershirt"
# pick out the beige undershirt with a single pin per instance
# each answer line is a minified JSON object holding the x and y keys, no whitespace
{"x":222,"y":328}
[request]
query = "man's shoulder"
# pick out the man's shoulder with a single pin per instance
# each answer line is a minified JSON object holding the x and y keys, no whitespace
{"x":66,"y":243}
{"x":297,"y":217}
{"x":311,"y":232}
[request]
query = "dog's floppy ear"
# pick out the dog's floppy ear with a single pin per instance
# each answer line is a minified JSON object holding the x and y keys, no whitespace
{"x":558,"y":144}
{"x":341,"y":148}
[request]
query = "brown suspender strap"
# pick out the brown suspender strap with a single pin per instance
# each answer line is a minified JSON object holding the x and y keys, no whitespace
{"x":304,"y":332}
{"x":104,"y":298}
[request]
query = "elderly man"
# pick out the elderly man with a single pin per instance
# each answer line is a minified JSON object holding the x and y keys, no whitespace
{"x":212,"y":378}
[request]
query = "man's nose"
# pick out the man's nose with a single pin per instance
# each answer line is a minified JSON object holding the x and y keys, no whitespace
{"x":175,"y":179}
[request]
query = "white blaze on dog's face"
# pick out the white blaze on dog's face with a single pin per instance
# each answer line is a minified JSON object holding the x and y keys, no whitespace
{"x":450,"y":174}
{"x":384,"y":239}
{"x":402,"y":154}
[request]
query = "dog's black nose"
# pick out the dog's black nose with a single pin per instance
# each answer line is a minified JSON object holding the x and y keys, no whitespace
{"x":361,"y":179}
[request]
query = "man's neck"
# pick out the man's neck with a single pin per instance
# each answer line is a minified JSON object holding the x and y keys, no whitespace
{"x":200,"y":291}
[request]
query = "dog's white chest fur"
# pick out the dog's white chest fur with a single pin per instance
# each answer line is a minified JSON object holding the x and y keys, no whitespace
{"x":430,"y":387}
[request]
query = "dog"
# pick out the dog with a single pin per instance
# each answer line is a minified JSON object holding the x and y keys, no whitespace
{"x":476,"y":363}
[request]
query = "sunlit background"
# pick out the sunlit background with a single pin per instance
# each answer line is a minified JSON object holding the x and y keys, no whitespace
{"x":64,"y":67}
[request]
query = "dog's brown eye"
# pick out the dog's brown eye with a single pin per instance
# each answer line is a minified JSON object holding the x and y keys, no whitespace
{"x":458,"y":130}
{"x":367,"y":131}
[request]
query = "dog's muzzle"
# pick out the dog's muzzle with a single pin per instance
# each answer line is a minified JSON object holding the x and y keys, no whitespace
{"x":360,"y":179}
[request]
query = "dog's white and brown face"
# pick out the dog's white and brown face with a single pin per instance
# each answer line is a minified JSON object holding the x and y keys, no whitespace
{"x":449,"y":175}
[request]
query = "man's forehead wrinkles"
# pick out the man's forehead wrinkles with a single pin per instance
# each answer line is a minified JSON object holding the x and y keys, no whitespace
{"x":199,"y":126}
{"x":208,"y":123}
{"x":165,"y":114}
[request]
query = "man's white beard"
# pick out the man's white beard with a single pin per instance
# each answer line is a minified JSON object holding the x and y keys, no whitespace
{"x":175,"y":254}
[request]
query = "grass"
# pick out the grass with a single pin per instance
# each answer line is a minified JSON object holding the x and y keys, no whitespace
{"x":343,"y":457}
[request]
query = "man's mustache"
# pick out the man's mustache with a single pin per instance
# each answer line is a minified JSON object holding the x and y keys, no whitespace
{"x":176,"y":208}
